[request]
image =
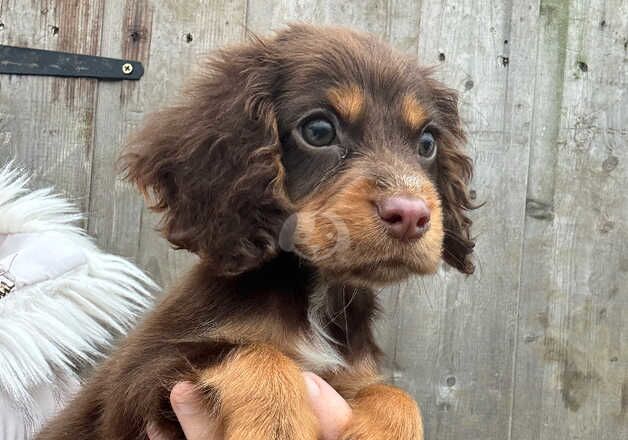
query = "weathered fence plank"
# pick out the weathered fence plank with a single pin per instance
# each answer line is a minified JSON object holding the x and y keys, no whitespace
{"x":572,"y":370}
{"x":264,"y":16}
{"x":46,"y":124}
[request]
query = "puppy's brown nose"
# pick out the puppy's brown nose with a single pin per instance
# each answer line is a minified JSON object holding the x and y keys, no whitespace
{"x":405,"y":218}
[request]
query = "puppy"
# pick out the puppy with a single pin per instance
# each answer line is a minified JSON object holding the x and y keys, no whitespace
{"x":305,"y":170}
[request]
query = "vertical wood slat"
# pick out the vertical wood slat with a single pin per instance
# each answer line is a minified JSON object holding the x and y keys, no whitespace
{"x":264,"y":16}
{"x":572,"y":376}
{"x":46,"y":124}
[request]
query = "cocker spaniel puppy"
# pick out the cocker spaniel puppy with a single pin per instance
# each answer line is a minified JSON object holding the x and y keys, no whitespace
{"x":305,"y":170}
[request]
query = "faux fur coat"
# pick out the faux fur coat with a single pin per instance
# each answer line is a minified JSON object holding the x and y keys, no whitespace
{"x":62,"y":303}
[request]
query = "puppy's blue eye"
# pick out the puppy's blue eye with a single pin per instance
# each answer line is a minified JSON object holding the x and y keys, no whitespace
{"x":427,"y":145}
{"x":318,"y":132}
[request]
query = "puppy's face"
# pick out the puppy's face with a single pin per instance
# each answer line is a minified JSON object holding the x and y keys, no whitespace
{"x":362,"y":140}
{"x":322,"y":142}
{"x":361,"y":163}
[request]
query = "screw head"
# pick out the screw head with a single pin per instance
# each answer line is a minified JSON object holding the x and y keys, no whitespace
{"x":127,"y":68}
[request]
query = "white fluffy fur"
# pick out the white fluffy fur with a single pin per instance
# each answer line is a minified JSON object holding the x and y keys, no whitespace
{"x":51,"y":330}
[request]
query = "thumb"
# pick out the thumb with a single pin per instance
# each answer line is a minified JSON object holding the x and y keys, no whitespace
{"x":331,"y":410}
{"x":187,"y":403}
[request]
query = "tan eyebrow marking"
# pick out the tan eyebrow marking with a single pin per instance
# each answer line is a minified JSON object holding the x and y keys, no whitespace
{"x":413,"y":113}
{"x":348,"y":101}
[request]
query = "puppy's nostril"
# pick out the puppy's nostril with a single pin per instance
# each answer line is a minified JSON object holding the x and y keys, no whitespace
{"x":394,"y":218}
{"x":423,"y":221}
{"x":405,"y":218}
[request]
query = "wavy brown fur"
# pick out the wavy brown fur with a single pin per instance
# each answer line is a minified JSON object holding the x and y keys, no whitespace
{"x":215,"y":156}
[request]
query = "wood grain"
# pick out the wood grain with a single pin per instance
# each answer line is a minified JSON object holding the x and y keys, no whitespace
{"x":572,"y":369}
{"x":46,"y":124}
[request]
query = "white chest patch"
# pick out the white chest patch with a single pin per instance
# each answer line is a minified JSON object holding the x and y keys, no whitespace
{"x":317,"y":354}
{"x":316,"y":349}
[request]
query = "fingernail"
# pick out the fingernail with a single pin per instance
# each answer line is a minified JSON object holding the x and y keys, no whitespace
{"x":185,"y":399}
{"x":152,"y":432}
{"x":312,"y":386}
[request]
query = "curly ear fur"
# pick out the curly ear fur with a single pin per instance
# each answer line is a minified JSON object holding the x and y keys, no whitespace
{"x":455,"y":173}
{"x":211,"y":163}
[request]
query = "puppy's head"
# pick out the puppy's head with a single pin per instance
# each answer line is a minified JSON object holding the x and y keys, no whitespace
{"x":319,"y":141}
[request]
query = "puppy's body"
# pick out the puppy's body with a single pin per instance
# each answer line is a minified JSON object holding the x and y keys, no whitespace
{"x":207,"y":319}
{"x":303,"y":170}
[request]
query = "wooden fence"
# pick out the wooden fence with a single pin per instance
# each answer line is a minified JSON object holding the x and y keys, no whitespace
{"x":535,"y":344}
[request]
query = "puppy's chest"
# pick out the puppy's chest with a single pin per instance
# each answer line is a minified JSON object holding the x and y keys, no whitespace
{"x":316,"y":351}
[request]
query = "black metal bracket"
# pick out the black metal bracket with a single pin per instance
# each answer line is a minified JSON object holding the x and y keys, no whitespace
{"x":26,"y":61}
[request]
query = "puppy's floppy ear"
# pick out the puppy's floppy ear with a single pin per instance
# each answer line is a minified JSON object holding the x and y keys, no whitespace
{"x":455,"y":170}
{"x":211,"y":163}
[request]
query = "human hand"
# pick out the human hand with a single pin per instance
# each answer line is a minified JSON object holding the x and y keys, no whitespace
{"x":331,"y":410}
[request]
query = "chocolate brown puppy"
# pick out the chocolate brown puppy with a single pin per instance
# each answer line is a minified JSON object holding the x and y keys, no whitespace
{"x":305,"y":170}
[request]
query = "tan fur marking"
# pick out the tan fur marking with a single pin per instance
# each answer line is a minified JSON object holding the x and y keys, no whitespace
{"x":338,"y":228}
{"x":256,"y":329}
{"x":348,"y":101}
{"x":412,"y":112}
{"x":262,"y":395}
{"x":349,"y":382}
{"x":382,"y":411}
{"x":379,"y":411}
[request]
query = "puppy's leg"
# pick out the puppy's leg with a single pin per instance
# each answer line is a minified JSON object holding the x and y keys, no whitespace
{"x":384,"y":412}
{"x":380,"y":411}
{"x":261,"y":395}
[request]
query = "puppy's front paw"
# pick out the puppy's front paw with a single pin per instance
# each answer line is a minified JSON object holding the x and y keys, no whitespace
{"x":382,"y":412}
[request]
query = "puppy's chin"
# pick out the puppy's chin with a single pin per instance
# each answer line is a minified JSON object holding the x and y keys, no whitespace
{"x":361,"y":264}
{"x":377,"y":274}
{"x":373,"y":277}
